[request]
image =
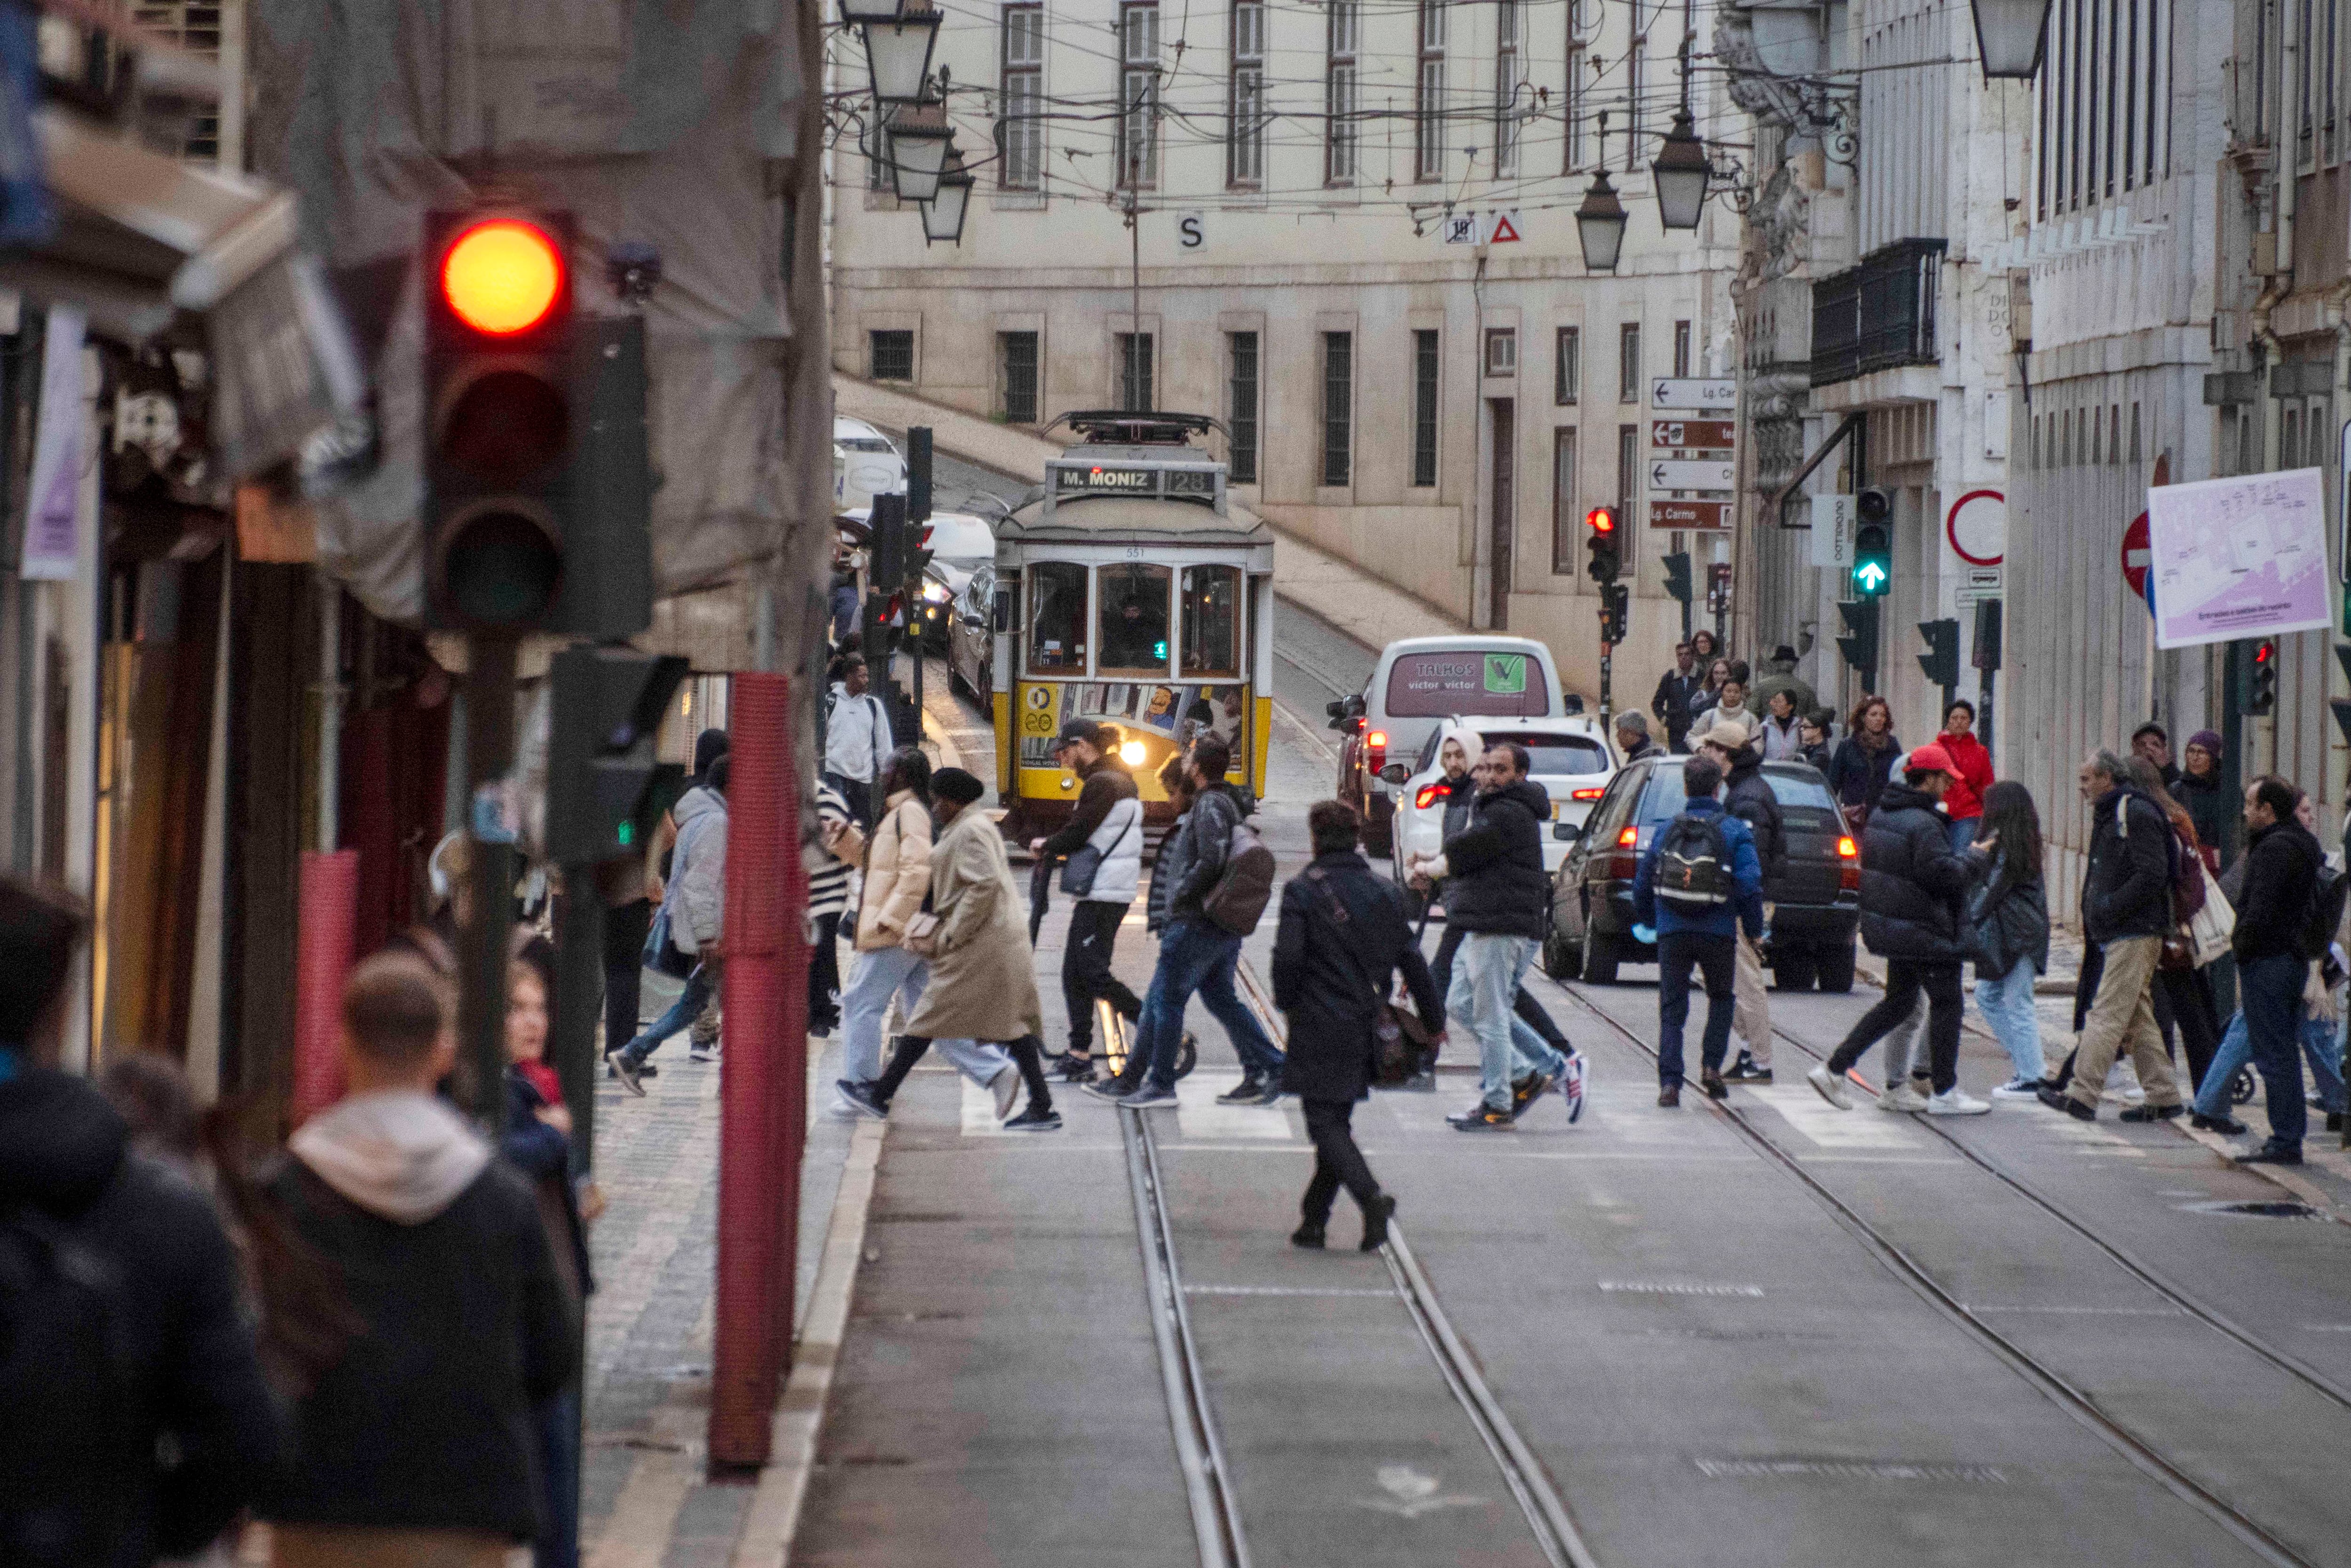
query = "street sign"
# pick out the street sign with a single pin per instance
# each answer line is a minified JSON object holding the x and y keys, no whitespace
{"x":1976,"y":594}
{"x":1669,"y":473}
{"x":1460,"y":228}
{"x":1832,"y":532}
{"x":1700,"y":515}
{"x":1692,"y":434}
{"x":1503,"y":227}
{"x":2137,"y":555}
{"x":1976,"y":525}
{"x":1716,"y":395}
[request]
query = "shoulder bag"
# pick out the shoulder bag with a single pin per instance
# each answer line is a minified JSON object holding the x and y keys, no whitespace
{"x":1078,"y":872}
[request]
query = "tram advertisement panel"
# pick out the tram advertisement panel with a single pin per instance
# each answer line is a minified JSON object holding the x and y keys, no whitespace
{"x":1218,"y":709}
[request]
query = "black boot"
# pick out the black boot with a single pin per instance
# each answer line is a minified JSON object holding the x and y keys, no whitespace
{"x":1376,"y":1215}
{"x":1308,"y":1234}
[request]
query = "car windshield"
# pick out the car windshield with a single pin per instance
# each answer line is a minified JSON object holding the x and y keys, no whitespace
{"x":1551,"y":755}
{"x":1806,"y":789}
{"x":1467,"y":681}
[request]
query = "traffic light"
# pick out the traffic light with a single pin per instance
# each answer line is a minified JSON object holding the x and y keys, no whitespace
{"x":1873,"y":542}
{"x":2261,"y":683}
{"x":885,"y":566}
{"x":1615,"y":612}
{"x":1606,"y":544}
{"x":1941,"y":659}
{"x":1859,"y":645}
{"x":604,"y":789}
{"x":1677,"y":576}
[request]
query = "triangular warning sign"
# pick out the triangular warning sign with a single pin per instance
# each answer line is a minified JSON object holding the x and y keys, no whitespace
{"x":1505,"y":230}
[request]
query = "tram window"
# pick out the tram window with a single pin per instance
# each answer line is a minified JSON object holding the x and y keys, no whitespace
{"x":1212,"y":621}
{"x":1057,"y":616}
{"x":1134,"y":620}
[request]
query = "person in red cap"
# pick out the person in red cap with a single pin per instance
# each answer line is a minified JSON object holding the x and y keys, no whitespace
{"x":1912,"y":883}
{"x":1971,"y":772}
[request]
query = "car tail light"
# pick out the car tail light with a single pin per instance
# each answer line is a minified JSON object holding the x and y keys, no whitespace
{"x":1428,"y":795}
{"x":1628,"y":837}
{"x":1375,"y":748}
{"x":1586,"y":795}
{"x":1849,"y":879}
{"x":1848,"y":849}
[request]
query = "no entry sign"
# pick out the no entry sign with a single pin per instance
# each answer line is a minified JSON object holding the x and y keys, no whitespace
{"x":2136,"y":556}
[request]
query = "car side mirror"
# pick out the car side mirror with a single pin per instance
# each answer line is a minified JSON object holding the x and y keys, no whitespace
{"x":1394,"y":773}
{"x":1354,"y":724}
{"x":1336,"y":708}
{"x":1353,"y":706}
{"x":1567,"y":833}
{"x":976,"y":622}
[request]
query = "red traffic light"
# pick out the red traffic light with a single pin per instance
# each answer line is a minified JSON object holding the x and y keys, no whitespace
{"x":502,"y":276}
{"x":2264,"y":651}
{"x":1600,"y":520}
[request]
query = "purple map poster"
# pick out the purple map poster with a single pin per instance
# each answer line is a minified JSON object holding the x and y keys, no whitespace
{"x":53,"y":499}
{"x":2238,"y":558}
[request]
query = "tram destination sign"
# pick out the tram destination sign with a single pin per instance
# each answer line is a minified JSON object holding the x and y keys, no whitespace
{"x":1149,"y":481}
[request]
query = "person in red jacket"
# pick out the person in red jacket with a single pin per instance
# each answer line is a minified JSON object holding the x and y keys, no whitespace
{"x":1964,"y":802}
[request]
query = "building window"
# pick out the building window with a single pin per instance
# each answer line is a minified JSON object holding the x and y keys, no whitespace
{"x":890,"y":356}
{"x":1134,"y":372}
{"x":1338,"y":407}
{"x":1628,"y":363}
{"x":1245,"y":156}
{"x":1567,"y":368}
{"x":1572,"y":110}
{"x":1629,"y":483}
{"x":1501,"y":351}
{"x":1138,"y":96}
{"x":1340,"y":130}
{"x":1681,"y":348}
{"x":1240,"y":405}
{"x":1017,"y":352}
{"x":1022,"y":167}
{"x":1566,"y":520}
{"x":1429,"y":103}
{"x":1506,"y":82}
{"x":1424,"y":364}
{"x":1635,"y":81}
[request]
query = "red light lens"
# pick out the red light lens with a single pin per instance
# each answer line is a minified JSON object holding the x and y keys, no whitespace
{"x":1378,"y":738}
{"x":1600,"y":520}
{"x":1428,"y":795}
{"x":502,"y":276}
{"x":1585,"y":795}
{"x":1628,"y":837}
{"x":1848,"y":849}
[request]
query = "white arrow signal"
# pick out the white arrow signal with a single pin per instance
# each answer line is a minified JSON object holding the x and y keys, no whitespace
{"x":1869,"y":574}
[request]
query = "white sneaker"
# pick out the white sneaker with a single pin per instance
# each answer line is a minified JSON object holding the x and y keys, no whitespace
{"x":1831,"y":1086}
{"x":2122,"y":1085}
{"x":2018,"y":1088}
{"x":1005,"y":1087}
{"x":1951,"y":1103}
{"x":702,"y":1052}
{"x":1902,"y":1097}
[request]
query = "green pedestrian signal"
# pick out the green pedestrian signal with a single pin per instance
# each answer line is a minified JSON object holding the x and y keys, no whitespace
{"x":1873,"y":560}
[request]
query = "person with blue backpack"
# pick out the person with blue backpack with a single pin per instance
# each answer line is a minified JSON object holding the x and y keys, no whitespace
{"x":1698,"y":882}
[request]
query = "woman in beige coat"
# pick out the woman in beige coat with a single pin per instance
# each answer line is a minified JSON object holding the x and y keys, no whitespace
{"x":896,"y":890}
{"x":983,"y":980}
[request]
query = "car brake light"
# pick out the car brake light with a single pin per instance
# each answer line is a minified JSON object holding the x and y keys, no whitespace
{"x":1428,"y":795}
{"x":1586,"y":795}
{"x":1628,"y":837}
{"x":1378,"y":738}
{"x":1846,"y":849}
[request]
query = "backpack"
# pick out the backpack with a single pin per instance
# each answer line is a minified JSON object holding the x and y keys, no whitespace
{"x":1237,"y":902}
{"x":2327,"y":896}
{"x":1694,"y":862}
{"x":64,"y":1365}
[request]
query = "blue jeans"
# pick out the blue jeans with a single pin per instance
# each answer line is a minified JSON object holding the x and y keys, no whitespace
{"x":1963,"y":833}
{"x":1199,"y":956}
{"x":558,"y":1420}
{"x":2318,"y":1045}
{"x":2272,"y":990}
{"x":873,"y":979}
{"x":1481,"y":999}
{"x":2006,"y":1003}
{"x":1716,"y":959}
{"x":682,"y":1013}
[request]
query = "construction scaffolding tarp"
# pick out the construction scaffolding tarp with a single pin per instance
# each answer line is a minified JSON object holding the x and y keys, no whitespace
{"x":656,"y":126}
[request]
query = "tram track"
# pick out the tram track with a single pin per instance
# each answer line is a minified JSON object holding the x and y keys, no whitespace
{"x":1209,"y":1482}
{"x":2135,"y":1451}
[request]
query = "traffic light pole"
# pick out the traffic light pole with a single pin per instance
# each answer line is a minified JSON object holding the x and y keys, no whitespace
{"x":485,"y":926}
{"x":1607,"y":668}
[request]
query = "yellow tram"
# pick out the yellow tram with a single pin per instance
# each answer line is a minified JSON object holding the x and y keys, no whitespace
{"x":1130,"y":591}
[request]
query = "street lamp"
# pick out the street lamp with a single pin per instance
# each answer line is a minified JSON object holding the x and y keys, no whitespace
{"x":943,"y":214}
{"x":916,"y":141}
{"x":2009,"y":34}
{"x":898,"y":44}
{"x":1680,"y":172}
{"x":1600,"y":224}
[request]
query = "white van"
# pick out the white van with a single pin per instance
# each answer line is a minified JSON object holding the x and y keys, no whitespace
{"x":1420,"y":681}
{"x":864,"y":464}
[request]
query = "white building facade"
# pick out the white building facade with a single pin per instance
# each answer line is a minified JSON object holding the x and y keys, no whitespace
{"x":1441,"y":415}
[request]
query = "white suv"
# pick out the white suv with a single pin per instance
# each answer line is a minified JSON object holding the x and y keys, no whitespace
{"x":1571,"y":758}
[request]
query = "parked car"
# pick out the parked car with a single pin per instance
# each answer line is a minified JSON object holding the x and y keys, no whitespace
{"x":864,"y":464}
{"x":960,"y":543}
{"x":1569,"y":757}
{"x":1815,"y":899}
{"x":971,"y":636}
{"x":1418,"y":681}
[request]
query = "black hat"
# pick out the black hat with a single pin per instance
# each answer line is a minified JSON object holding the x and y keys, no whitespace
{"x":955,"y":784}
{"x":1078,"y":729}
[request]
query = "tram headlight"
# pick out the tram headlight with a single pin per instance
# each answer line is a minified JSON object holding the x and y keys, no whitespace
{"x":1132,"y":753}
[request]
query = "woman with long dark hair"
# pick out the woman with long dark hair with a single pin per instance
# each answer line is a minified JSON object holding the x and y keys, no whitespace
{"x":1863,"y":759}
{"x":2008,"y":927}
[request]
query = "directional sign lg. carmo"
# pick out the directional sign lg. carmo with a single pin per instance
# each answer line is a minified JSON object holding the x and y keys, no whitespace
{"x":1672,"y":474}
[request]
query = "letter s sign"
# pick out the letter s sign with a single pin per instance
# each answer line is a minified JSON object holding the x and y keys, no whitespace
{"x":1190,"y":232}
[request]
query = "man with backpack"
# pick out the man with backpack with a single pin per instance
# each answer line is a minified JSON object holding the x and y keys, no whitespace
{"x":2126,"y":911}
{"x":857,"y":742}
{"x":1750,"y":798}
{"x":1699,"y":883}
{"x":1220,"y":878}
{"x":2282,"y":924}
{"x":138,"y":1423}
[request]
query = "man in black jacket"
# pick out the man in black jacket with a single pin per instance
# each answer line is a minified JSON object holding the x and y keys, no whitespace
{"x":422,"y":1432}
{"x":1341,"y":938}
{"x":1633,"y":737}
{"x":2283,"y":866}
{"x":2126,"y":911}
{"x":1095,"y":919}
{"x":1911,"y":888}
{"x":1497,"y":892}
{"x":1676,"y":688}
{"x":1750,"y":798}
{"x":119,"y":1295}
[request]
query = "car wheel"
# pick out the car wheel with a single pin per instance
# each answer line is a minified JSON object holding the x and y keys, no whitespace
{"x":1560,"y":958}
{"x":1833,"y":968}
{"x":1599,"y":959}
{"x":1792,"y":968}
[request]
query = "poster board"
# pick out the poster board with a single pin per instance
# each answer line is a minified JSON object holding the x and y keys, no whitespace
{"x":2239,"y":558}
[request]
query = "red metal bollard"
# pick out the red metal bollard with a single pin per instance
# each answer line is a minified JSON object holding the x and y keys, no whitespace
{"x":762,"y":1072}
{"x":322,"y":958}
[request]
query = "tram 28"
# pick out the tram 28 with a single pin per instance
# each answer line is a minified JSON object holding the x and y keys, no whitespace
{"x":1133,"y":593}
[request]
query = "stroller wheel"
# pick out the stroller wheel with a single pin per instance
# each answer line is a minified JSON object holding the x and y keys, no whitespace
{"x":2241,"y":1087}
{"x":1188,"y":1055}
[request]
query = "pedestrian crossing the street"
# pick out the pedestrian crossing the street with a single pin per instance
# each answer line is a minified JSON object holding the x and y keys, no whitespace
{"x":1198,"y":1117}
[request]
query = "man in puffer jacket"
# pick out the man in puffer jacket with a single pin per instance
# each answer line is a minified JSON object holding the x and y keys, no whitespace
{"x":2126,"y":911}
{"x":1912,"y":887}
{"x":1496,"y":890}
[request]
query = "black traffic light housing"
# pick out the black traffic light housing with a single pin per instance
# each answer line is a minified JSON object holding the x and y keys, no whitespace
{"x":605,"y":787}
{"x":1615,"y":612}
{"x":1604,"y":540}
{"x":1679,"y":585}
{"x":2261,"y":677}
{"x":1941,"y":659}
{"x":1859,"y":645}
